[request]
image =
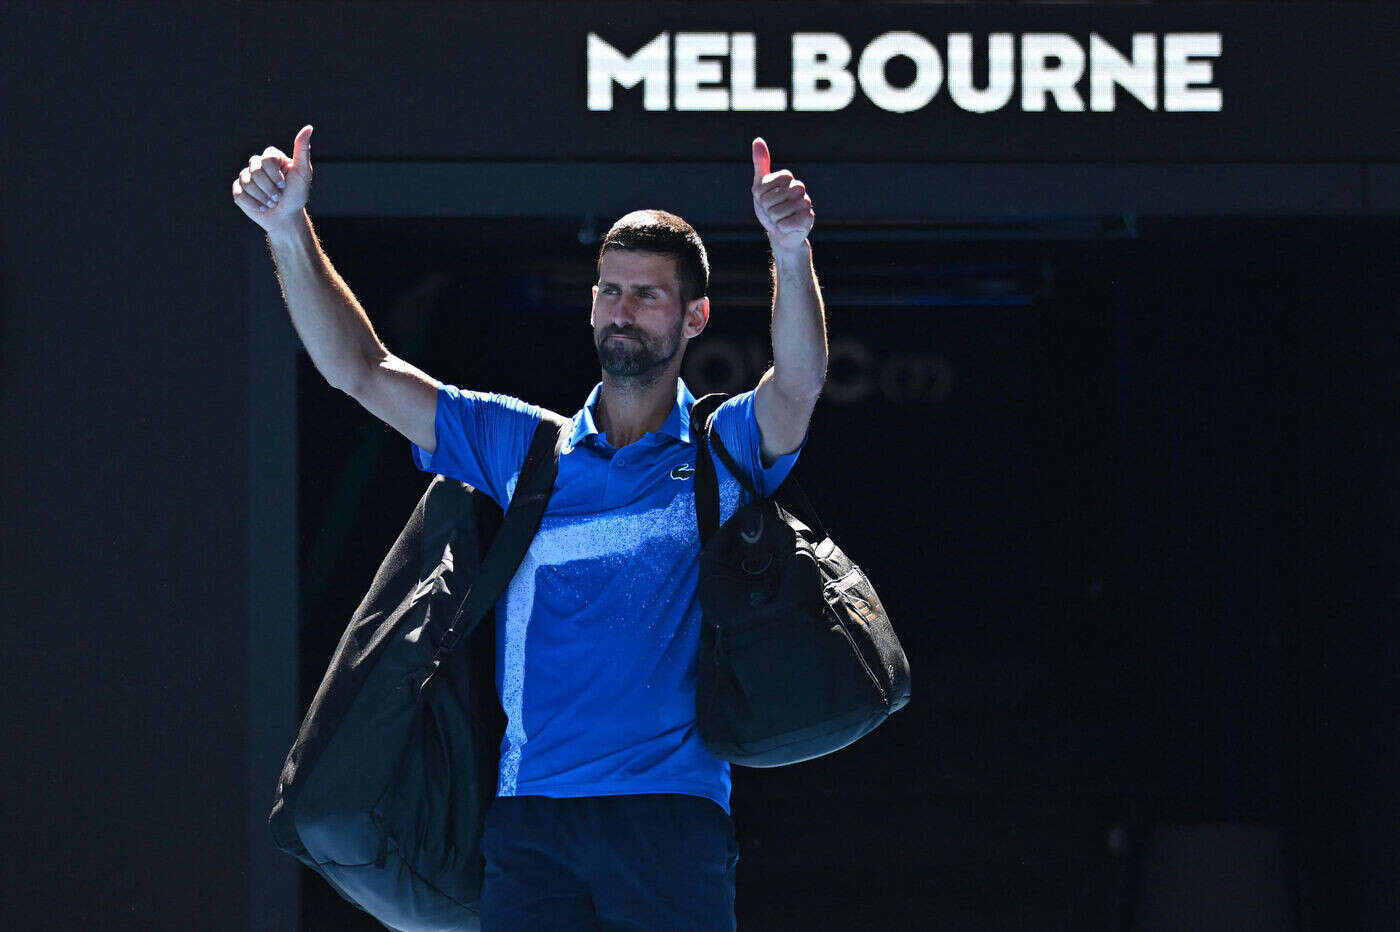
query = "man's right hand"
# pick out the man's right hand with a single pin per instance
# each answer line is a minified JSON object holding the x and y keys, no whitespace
{"x":273,"y":189}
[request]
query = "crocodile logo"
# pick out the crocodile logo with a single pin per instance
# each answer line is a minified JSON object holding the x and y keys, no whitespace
{"x":682,"y":472}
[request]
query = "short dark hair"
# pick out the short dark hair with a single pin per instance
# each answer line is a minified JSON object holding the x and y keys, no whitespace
{"x":668,"y":235}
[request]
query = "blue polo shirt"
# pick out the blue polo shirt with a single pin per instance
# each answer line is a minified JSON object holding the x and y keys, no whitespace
{"x":598,"y":633}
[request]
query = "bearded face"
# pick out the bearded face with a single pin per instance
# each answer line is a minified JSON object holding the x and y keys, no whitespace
{"x":632,"y":353}
{"x":638,"y":317}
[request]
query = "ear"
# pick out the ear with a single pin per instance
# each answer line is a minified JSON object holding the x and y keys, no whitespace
{"x":697,"y":315}
{"x":593,"y":307}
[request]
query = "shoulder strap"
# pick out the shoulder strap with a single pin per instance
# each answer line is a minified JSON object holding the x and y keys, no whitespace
{"x":518,"y":527}
{"x":789,"y":494}
{"x":706,"y":483}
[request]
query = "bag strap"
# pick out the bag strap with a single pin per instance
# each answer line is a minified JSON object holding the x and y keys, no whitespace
{"x":789,"y":494}
{"x":706,"y":482}
{"x":518,"y":527}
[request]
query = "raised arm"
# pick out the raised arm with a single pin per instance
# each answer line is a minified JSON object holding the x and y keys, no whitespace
{"x":273,"y":191}
{"x":787,"y":392}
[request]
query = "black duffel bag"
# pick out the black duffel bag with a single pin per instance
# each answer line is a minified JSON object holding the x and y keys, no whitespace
{"x":385,"y":791}
{"x":797,"y":656}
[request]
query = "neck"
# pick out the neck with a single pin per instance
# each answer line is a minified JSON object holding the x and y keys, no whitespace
{"x":628,"y":410}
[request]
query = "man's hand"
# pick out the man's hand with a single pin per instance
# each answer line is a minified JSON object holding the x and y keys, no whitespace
{"x":273,"y":189}
{"x":780,"y":202}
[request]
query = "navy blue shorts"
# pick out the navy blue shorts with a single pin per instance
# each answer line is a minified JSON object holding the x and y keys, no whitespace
{"x":647,"y":862}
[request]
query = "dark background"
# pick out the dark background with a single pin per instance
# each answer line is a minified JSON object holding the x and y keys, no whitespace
{"x":1118,"y":455}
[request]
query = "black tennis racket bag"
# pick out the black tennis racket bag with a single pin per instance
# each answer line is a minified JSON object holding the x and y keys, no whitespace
{"x":385,"y":791}
{"x":797,"y":656}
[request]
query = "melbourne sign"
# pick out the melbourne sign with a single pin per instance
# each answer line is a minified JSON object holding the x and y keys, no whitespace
{"x":1029,"y":71}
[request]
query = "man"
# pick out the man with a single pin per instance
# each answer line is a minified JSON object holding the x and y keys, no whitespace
{"x":610,"y":812}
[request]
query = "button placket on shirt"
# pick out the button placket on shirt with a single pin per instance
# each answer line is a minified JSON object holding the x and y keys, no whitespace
{"x":615,"y":491}
{"x":635,"y":457}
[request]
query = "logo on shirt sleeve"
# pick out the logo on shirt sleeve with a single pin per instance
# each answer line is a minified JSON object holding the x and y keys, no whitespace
{"x":682,"y":472}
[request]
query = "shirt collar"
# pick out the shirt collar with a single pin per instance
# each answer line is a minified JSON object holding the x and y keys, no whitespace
{"x":677,"y":422}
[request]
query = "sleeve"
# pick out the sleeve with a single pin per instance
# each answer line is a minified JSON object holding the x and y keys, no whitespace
{"x":737,"y":426}
{"x":482,"y":440}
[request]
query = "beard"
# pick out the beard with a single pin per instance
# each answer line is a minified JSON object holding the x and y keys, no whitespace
{"x":640,"y":359}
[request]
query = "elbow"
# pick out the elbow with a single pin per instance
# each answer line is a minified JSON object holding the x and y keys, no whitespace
{"x":350,"y":379}
{"x":345,"y":381}
{"x":803,"y":386}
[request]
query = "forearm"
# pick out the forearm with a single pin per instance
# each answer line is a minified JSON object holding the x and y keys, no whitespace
{"x":799,"y":324}
{"x":330,"y":322}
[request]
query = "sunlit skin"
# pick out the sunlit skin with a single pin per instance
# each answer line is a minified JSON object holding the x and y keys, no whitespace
{"x":640,"y":330}
{"x":637,"y":295}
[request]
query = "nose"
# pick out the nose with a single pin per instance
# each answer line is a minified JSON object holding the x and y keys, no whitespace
{"x":624,"y":311}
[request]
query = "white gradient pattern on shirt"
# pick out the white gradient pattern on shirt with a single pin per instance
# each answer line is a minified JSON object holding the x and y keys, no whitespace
{"x":588,"y":537}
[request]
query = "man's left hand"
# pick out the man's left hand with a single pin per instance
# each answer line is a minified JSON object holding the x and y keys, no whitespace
{"x":780,"y":202}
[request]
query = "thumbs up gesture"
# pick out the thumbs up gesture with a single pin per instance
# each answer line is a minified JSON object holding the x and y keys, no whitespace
{"x":273,"y":189}
{"x":780,"y":202}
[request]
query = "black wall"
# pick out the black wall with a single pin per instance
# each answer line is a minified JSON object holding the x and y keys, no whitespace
{"x":126,"y":562}
{"x":126,"y":422}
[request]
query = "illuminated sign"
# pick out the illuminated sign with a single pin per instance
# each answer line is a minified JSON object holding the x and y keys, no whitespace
{"x":1170,"y":72}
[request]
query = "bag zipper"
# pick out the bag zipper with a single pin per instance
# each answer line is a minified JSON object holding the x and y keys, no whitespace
{"x":842,"y":583}
{"x":860,"y":656}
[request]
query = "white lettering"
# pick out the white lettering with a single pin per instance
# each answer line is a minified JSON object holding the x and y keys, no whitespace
{"x":928,"y":71}
{"x":692,"y":71}
{"x":1001,"y":72}
{"x":1038,"y":77}
{"x":743,"y":72}
{"x":1107,"y":68}
{"x":691,"y":74}
{"x":651,"y":64}
{"x":1180,"y":72}
{"x":817,"y":57}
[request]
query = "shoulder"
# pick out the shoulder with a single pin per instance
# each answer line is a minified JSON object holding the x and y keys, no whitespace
{"x":488,"y":404}
{"x":736,"y":423}
{"x":482,"y":439}
{"x":736,"y":411}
